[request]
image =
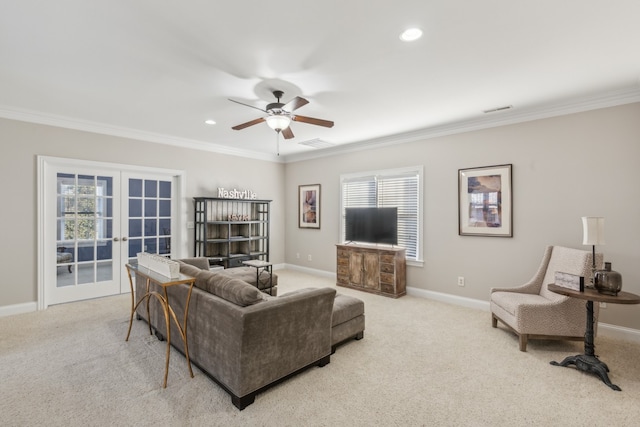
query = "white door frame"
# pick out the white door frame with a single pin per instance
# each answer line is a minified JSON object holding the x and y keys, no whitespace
{"x":46,"y":163}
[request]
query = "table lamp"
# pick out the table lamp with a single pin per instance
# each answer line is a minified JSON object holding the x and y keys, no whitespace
{"x":593,"y":234}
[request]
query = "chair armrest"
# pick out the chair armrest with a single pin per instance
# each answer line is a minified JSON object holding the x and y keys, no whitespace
{"x":531,"y":287}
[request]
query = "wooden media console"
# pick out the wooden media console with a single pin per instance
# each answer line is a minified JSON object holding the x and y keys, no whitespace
{"x":376,"y":269}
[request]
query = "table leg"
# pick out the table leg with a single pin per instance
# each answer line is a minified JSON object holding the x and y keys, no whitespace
{"x":134,"y":306}
{"x":167,"y":319}
{"x":184,"y":326}
{"x":589,"y":362}
{"x":133,"y":303}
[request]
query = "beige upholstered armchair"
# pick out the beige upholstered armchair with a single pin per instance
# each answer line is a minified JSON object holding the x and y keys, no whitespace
{"x":534,"y":312}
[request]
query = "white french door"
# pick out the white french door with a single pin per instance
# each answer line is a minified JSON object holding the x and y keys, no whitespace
{"x":95,"y":218}
{"x":148,"y":217}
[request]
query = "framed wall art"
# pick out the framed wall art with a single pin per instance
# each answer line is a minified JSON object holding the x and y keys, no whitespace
{"x":485,"y":201}
{"x":309,"y":206}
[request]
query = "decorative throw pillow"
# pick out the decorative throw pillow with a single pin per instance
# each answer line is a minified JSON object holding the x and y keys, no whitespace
{"x":188,"y":269}
{"x":233,"y":290}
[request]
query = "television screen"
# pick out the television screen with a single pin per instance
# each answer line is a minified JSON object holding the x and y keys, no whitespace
{"x":372,"y":225}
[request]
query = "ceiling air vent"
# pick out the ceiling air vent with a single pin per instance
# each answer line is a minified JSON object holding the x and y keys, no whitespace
{"x":495,"y":110}
{"x":317,"y":143}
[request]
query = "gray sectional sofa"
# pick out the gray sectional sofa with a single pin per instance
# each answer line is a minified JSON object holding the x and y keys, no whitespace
{"x":246,"y":340}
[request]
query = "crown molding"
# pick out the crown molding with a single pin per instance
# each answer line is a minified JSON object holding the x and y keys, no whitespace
{"x":514,"y":116}
{"x":509,"y":117}
{"x":123,"y":132}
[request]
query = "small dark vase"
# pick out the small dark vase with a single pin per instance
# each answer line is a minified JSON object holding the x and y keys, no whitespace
{"x":607,"y":281}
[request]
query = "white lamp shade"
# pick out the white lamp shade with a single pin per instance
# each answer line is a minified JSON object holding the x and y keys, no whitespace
{"x":278,"y":122}
{"x":592,"y":230}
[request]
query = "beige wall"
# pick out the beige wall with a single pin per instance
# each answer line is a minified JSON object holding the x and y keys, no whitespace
{"x":23,"y":142}
{"x":563,"y":168}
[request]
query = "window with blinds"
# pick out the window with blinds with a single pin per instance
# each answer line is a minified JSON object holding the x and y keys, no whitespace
{"x":388,"y":188}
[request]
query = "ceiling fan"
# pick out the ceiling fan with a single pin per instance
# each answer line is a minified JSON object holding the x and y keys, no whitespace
{"x":280,"y":115}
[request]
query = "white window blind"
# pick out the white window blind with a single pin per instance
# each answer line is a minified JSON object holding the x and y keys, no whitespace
{"x":389,"y":188}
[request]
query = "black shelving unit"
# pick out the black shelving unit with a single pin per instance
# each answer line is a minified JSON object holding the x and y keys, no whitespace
{"x":230,"y":231}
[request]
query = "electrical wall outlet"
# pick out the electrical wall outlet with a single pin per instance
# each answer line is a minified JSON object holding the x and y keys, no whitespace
{"x":603,"y":305}
{"x":309,"y":258}
{"x":298,"y":255}
{"x":460,"y":281}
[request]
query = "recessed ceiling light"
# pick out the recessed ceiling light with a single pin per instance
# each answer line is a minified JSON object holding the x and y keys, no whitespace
{"x":411,"y":34}
{"x":210,"y":122}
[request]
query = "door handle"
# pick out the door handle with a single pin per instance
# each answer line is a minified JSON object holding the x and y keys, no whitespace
{"x":115,"y":239}
{"x":124,"y":239}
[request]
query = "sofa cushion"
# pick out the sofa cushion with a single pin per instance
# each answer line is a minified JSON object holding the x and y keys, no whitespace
{"x":248,"y":274}
{"x":346,"y":308}
{"x":233,"y":290}
{"x":189,"y":270}
{"x":200,"y":262}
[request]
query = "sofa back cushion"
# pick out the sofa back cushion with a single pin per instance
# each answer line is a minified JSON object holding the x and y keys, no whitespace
{"x":233,"y":290}
{"x":189,"y":270}
{"x":200,"y":262}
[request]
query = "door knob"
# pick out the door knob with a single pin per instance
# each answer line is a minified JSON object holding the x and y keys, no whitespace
{"x":124,"y":239}
{"x":115,"y":239}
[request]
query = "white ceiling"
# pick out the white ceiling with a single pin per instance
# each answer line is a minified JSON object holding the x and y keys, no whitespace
{"x":156,"y":70}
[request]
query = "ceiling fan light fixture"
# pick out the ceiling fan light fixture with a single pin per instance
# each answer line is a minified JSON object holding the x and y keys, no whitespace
{"x":278,"y":122}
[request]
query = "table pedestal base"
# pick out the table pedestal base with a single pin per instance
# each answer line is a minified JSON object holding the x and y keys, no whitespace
{"x":591,"y":364}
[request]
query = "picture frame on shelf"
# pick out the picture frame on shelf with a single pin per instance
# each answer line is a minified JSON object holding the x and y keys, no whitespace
{"x":485,"y":202}
{"x":309,"y":206}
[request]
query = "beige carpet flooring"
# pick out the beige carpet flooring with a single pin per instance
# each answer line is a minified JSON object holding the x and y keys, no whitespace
{"x":420,"y":363}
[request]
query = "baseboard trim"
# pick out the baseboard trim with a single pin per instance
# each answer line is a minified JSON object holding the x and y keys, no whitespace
{"x":10,"y":310}
{"x":311,"y":271}
{"x":604,"y":329}
{"x":448,"y":298}
{"x":620,"y":332}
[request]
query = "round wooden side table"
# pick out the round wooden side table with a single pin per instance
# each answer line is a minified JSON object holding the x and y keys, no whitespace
{"x":589,"y":362}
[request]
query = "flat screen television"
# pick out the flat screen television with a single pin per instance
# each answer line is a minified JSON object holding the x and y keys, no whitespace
{"x":372,"y":225}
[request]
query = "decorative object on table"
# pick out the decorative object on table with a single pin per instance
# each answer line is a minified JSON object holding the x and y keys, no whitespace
{"x":607,"y":281}
{"x":159,"y":264}
{"x":570,"y":281}
{"x":309,"y":206}
{"x":593,"y":234}
{"x":484,"y":201}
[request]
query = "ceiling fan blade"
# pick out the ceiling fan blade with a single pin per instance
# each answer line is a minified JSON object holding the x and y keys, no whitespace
{"x":246,"y":125}
{"x":247,"y":105}
{"x":312,"y":121}
{"x":287,"y":132}
{"x":294,"y":104}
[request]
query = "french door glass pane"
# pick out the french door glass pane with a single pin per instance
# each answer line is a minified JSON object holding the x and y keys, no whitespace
{"x":84,"y":228}
{"x":149,"y":217}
